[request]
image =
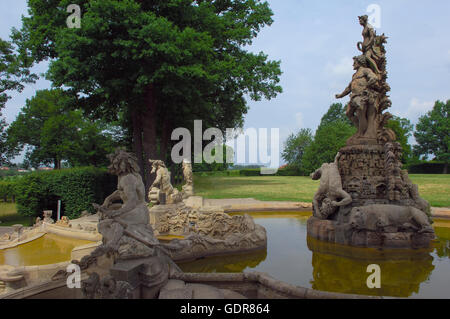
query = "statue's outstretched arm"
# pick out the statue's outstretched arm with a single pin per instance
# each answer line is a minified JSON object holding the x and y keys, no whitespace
{"x":346,"y":92}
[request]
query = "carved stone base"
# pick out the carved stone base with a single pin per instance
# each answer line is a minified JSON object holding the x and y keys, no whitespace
{"x":333,"y":232}
{"x":207,"y":231}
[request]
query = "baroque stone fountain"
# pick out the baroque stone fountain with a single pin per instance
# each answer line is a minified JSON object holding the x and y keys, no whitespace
{"x":132,"y":263}
{"x":365,"y":198}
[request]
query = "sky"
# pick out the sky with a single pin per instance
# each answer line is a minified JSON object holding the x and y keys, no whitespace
{"x":315,"y":41}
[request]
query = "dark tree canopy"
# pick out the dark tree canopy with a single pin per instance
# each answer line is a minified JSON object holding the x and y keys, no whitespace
{"x":51,"y":131}
{"x":161,"y":63}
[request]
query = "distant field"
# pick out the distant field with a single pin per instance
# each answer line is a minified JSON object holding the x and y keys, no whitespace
{"x":434,"y":188}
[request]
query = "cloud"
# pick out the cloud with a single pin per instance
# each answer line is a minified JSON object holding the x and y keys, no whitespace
{"x":416,"y":109}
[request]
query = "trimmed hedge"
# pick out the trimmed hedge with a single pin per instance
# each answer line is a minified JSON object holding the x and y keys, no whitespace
{"x":426,"y":168}
{"x":77,"y":188}
{"x":281,"y":172}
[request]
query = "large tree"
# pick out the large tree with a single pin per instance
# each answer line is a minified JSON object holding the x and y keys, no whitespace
{"x":295,"y":146}
{"x":433,"y":133}
{"x":51,"y":131}
{"x":336,"y":112}
{"x":403,"y":130}
{"x":162,"y":63}
{"x":12,"y":77}
{"x":331,"y":135}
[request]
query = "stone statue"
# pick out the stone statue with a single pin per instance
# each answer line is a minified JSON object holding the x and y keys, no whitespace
{"x":361,"y":109}
{"x":162,"y":191}
{"x":388,"y":218}
{"x":131,"y":217}
{"x":48,"y":217}
{"x":64,"y":222}
{"x":368,"y":90}
{"x":188,"y":188}
{"x":129,"y":249}
{"x":330,"y":195}
{"x":367,"y":46}
{"x":379,"y":206}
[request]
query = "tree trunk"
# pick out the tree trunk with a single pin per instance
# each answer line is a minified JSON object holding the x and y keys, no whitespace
{"x":149,"y":134}
{"x":57,"y":163}
{"x":165,"y":139}
{"x":137,"y":141}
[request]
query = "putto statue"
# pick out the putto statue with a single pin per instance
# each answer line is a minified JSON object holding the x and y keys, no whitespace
{"x":365,"y":197}
{"x":162,"y":191}
{"x":188,"y":188}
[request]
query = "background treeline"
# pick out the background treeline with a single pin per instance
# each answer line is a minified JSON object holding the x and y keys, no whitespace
{"x":304,"y":151}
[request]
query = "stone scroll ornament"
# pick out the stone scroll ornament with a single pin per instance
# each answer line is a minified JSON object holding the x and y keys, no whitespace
{"x":365,"y":198}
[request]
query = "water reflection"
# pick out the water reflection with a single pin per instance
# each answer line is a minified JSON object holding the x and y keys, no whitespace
{"x":298,"y":260}
{"x":343,"y":269}
{"x":228,"y":264}
{"x":48,"y":249}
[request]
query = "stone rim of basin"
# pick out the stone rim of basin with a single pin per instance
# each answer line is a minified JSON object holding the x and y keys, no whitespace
{"x":10,"y":273}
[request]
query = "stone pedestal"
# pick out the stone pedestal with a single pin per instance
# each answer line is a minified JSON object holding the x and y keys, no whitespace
{"x":385,"y":209}
{"x":334,"y":232}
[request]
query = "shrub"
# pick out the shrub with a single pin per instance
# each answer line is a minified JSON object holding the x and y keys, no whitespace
{"x":7,"y":190}
{"x":289,"y":171}
{"x":77,"y":188}
{"x":250,"y":172}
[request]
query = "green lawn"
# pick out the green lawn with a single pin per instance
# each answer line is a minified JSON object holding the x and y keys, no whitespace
{"x":434,"y":188}
{"x":9,"y":216}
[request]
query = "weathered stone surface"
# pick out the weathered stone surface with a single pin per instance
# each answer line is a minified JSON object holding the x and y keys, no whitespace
{"x":365,"y":196}
{"x":208,"y":231}
{"x":162,"y":191}
{"x":188,"y":188}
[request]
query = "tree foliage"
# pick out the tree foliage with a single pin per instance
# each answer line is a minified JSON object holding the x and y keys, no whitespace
{"x":295,"y":146}
{"x":52,"y":131}
{"x":162,"y":63}
{"x":335,"y":113}
{"x":403,"y":129}
{"x":332,"y":134}
{"x":12,"y":77}
{"x":433,"y":133}
{"x":328,"y":140}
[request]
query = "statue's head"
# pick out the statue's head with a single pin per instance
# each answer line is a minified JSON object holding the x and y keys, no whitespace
{"x":123,"y":162}
{"x":359,"y":61}
{"x":363,"y":20}
{"x":156,"y":164}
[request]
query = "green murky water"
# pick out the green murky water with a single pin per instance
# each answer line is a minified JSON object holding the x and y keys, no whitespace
{"x":48,"y":249}
{"x":296,"y":259}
